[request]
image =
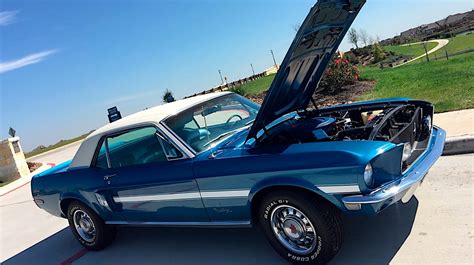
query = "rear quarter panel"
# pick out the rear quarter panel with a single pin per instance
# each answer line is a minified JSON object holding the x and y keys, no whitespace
{"x":78,"y":184}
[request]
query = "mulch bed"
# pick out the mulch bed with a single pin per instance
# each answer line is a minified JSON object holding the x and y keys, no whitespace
{"x":345,"y":95}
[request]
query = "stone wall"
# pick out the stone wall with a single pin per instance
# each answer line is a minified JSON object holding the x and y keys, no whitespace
{"x":12,"y":160}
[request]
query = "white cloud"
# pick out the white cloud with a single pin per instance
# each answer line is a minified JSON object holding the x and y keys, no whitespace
{"x":27,"y":60}
{"x":7,"y":17}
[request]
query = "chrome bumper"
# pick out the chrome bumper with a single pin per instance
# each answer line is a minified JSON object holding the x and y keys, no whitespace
{"x":403,"y":188}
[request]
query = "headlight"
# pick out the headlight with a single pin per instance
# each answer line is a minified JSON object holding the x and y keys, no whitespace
{"x":368,"y":173}
{"x":406,"y":151}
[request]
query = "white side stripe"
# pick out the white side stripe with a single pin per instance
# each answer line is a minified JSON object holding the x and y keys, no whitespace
{"x":225,"y":194}
{"x":339,"y":189}
{"x":163,"y":197}
{"x":185,"y":196}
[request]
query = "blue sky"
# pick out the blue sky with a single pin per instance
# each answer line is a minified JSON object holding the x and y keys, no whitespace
{"x":63,"y":63}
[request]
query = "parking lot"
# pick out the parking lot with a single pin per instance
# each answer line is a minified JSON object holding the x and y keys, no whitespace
{"x":435,"y":227}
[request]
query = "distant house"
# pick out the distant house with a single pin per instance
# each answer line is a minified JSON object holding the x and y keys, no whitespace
{"x":450,"y":25}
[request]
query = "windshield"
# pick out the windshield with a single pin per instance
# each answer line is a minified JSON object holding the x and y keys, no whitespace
{"x":209,"y":122}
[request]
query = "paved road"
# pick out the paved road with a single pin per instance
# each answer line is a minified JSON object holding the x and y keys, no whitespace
{"x":435,"y":227}
{"x":441,"y":44}
{"x":57,"y":156}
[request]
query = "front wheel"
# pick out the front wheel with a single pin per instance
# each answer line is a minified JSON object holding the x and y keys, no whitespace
{"x":301,"y":229}
{"x":88,"y":227}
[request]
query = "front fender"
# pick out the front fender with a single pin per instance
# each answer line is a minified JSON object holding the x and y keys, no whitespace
{"x":293,"y":182}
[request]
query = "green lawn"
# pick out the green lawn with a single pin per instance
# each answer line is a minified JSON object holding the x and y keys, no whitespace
{"x":411,"y":50}
{"x":257,"y":86}
{"x":449,"y":85}
{"x":456,"y":44}
{"x":56,"y":145}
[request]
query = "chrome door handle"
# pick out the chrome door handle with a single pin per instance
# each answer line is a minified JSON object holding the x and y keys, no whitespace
{"x":108,"y":177}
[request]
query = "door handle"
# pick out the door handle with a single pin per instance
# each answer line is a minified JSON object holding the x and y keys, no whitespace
{"x":108,"y":177}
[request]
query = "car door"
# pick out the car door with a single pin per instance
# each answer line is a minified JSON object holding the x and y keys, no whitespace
{"x":147,"y":179}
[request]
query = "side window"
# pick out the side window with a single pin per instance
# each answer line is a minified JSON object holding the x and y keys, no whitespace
{"x":139,"y":146}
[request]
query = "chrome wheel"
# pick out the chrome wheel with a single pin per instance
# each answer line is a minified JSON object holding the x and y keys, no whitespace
{"x":84,"y":225}
{"x":293,"y":229}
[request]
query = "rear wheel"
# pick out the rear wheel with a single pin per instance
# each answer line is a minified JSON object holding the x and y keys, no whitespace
{"x":301,"y":229}
{"x":88,"y":228}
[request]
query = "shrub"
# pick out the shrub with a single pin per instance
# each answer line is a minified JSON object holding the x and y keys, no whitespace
{"x":339,"y":73}
{"x":379,"y":53}
{"x":239,"y":90}
{"x":351,"y":58}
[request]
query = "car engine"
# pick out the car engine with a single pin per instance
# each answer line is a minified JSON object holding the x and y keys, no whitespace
{"x":407,"y":124}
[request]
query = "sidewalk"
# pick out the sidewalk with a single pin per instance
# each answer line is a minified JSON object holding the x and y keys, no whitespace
{"x":459,"y":127}
{"x":441,"y":44}
{"x":456,"y":123}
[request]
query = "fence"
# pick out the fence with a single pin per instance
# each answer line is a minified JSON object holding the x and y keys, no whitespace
{"x":227,"y":86}
{"x":447,"y":55}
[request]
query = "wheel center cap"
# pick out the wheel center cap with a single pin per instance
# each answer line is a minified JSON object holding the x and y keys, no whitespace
{"x":85,"y":224}
{"x":292,"y":229}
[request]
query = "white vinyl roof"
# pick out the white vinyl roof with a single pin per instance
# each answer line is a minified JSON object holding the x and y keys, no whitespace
{"x":158,"y":113}
{"x":155,"y":115}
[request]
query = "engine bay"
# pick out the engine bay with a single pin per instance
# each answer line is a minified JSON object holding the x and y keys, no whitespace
{"x":408,"y":124}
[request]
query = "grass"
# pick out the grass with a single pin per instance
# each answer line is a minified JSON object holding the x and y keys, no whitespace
{"x":449,"y":85}
{"x":456,"y":44}
{"x":257,"y":86}
{"x":56,"y":145}
{"x":411,"y":50}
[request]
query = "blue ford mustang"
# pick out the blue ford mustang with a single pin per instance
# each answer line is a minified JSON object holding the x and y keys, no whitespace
{"x":221,"y":160}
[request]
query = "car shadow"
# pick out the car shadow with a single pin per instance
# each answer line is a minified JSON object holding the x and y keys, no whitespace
{"x":376,"y":239}
{"x":368,"y":240}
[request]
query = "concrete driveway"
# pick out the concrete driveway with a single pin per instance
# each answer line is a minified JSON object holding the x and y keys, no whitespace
{"x":435,"y":227}
{"x":58,"y":155}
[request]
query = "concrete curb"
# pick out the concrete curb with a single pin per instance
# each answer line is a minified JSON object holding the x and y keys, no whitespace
{"x":459,"y":145}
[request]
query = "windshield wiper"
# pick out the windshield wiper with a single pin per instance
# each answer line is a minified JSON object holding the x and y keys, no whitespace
{"x":250,"y":122}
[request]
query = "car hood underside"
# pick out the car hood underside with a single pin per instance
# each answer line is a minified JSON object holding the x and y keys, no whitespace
{"x":306,"y":60}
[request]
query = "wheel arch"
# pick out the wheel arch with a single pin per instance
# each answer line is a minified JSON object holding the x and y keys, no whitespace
{"x":67,"y":199}
{"x":258,"y":194}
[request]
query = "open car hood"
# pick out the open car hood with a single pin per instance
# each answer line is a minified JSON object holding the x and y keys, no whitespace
{"x":305,"y":62}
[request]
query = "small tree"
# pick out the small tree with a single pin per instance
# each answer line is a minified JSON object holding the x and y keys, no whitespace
{"x":379,"y":53}
{"x":364,"y":37}
{"x":168,"y":96}
{"x":354,"y":37}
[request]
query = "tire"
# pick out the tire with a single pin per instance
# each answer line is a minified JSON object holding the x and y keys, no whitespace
{"x":287,"y":227}
{"x":96,"y":239}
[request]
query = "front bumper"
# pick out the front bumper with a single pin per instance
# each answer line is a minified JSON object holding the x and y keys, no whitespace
{"x":403,"y":188}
